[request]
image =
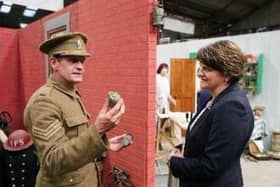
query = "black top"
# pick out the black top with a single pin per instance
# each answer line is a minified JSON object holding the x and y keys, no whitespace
{"x":20,"y":167}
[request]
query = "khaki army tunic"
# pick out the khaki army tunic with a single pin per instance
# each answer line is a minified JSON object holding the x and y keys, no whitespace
{"x":58,"y":123}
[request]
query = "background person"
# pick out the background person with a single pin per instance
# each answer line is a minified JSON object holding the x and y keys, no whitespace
{"x":218,"y":134}
{"x":260,"y":128}
{"x":57,"y":120}
{"x":163,"y":97}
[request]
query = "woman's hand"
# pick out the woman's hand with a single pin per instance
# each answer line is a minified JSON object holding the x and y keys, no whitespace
{"x":176,"y":153}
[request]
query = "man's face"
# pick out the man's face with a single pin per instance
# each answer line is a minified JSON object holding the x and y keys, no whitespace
{"x":69,"y":68}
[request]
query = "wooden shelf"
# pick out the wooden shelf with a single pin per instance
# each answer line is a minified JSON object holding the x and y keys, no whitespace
{"x":251,"y":81}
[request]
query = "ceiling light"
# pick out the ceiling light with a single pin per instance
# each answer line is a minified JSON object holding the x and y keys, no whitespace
{"x":29,"y":12}
{"x":9,"y":3}
{"x":6,"y":7}
{"x":22,"y":25}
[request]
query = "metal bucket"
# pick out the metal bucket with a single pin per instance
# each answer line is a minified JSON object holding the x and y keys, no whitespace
{"x":275,"y":141}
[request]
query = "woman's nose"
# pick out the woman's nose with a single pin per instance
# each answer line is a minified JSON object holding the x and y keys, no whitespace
{"x":199,"y":73}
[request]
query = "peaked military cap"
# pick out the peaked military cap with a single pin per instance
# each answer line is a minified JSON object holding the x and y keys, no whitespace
{"x":65,"y":43}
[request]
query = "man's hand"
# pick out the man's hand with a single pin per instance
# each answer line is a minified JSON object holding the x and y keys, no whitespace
{"x":116,"y":143}
{"x":108,"y":117}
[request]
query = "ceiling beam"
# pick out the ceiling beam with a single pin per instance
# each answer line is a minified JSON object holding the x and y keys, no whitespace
{"x":223,"y":27}
{"x":253,"y":10}
{"x":185,"y":11}
{"x":192,"y":5}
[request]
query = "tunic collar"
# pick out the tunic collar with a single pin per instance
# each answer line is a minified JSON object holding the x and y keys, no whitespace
{"x":63,"y":86}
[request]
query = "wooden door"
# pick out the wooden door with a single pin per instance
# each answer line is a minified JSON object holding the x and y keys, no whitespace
{"x":182,"y":84}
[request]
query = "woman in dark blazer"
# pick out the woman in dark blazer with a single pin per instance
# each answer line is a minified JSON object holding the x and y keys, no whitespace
{"x":218,"y":134}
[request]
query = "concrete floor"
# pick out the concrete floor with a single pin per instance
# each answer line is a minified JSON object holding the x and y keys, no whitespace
{"x":261,"y":173}
{"x":255,"y":173}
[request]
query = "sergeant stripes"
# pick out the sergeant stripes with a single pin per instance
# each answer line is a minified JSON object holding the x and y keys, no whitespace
{"x":47,"y":133}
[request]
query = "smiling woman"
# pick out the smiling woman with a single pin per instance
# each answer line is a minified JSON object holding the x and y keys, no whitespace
{"x":221,"y":65}
{"x":218,"y":133}
{"x":225,"y":57}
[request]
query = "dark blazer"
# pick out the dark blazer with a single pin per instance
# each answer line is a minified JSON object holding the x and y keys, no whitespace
{"x":215,"y":143}
{"x":203,"y":96}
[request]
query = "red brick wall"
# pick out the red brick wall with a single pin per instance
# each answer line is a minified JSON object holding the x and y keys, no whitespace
{"x":10,"y":81}
{"x":122,"y":42}
{"x":31,"y":60}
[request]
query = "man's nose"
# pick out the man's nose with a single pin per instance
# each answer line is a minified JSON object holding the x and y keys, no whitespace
{"x":79,"y":65}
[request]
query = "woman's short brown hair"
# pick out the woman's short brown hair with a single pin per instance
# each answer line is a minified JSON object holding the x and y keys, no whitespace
{"x":161,"y":66}
{"x":225,"y":57}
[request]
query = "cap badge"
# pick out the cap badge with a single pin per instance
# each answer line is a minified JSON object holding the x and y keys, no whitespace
{"x":79,"y":44}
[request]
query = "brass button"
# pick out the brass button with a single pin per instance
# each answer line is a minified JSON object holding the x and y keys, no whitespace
{"x":10,"y":165}
{"x":13,"y":185}
{"x":12,"y":172}
{"x":13,"y":178}
{"x":22,"y":178}
{"x":71,"y":180}
{"x":23,"y":163}
{"x":23,"y":155}
{"x":22,"y":185}
{"x":22,"y":171}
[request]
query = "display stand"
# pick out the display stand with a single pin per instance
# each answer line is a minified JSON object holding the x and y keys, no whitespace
{"x":252,"y":79}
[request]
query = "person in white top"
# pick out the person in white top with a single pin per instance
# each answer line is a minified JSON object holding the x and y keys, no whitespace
{"x":163,"y":97}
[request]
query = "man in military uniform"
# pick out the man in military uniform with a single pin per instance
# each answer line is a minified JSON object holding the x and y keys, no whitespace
{"x":58,"y":121}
